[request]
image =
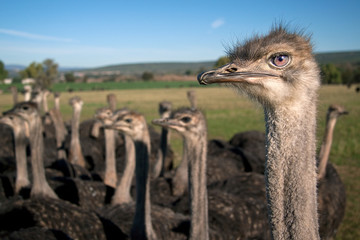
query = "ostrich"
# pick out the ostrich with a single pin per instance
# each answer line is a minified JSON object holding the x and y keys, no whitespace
{"x":197,"y":169}
{"x":234,"y":216}
{"x":122,"y":192}
{"x":75,"y":152}
{"x":60,"y":129}
{"x":192,"y":98}
{"x":134,"y":125}
{"x":279,"y":71}
{"x":30,"y":113}
{"x":21,"y":134}
{"x":111,"y":99}
{"x":104,"y":116}
{"x":14,"y":93}
{"x":27,"y":93}
{"x":331,"y":191}
{"x":159,"y":168}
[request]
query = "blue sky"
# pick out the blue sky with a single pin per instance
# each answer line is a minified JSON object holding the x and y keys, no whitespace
{"x":98,"y":33}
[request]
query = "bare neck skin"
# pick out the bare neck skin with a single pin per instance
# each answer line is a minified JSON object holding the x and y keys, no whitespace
{"x":75,"y":153}
{"x":291,"y":172}
{"x":110,"y":178}
{"x":180,"y":180}
{"x":196,"y":150}
{"x":40,"y":186}
{"x":159,"y":168}
{"x":326,"y":147}
{"x":142,"y":225}
{"x":122,"y":192}
{"x":14,"y":93}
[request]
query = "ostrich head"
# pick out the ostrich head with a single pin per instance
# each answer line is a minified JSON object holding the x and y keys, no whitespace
{"x":130,"y":123}
{"x":26,"y":110}
{"x":105,"y":115}
{"x":76,"y":102}
{"x":17,"y":123}
{"x":336,"y":111}
{"x":165,"y":109}
{"x":274,"y":69}
{"x":187,"y":121}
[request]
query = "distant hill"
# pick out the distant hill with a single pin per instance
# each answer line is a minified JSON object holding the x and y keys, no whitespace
{"x":157,"y":68}
{"x":352,"y":57}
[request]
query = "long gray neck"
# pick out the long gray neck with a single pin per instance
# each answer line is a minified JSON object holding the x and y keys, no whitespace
{"x":122,"y":192}
{"x":110,"y":178}
{"x":142,"y":225}
{"x":326,"y":147}
{"x":180,"y":180}
{"x":40,"y":186}
{"x":196,"y":150}
{"x":75,"y":153}
{"x":22,"y":177}
{"x":291,"y":172}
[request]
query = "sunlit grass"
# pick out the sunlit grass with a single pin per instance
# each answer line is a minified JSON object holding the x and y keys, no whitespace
{"x":228,"y":113}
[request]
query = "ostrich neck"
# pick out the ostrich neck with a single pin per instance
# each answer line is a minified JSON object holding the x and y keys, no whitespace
{"x":40,"y":186}
{"x":163,"y":149}
{"x":22,"y":178}
{"x":291,"y":172}
{"x":142,"y":225}
{"x":75,"y":154}
{"x":110,"y":164}
{"x":57,"y":103}
{"x":196,"y":150}
{"x":122,"y":192}
{"x":325,"y":147}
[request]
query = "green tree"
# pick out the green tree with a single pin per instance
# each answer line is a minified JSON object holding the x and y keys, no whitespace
{"x":44,"y":74}
{"x":330,"y":74}
{"x":3,"y":72}
{"x":34,"y":70}
{"x":222,"y":61}
{"x":69,"y":77}
{"x":147,"y":76}
{"x":49,"y":75}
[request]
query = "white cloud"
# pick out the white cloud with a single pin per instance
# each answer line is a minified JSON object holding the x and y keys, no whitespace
{"x":217,"y":23}
{"x":33,"y":36}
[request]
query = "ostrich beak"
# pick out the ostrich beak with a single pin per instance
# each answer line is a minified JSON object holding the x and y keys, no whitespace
{"x":160,"y":122}
{"x":230,"y":73}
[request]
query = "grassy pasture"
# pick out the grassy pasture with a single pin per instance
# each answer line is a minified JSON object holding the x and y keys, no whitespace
{"x":228,"y":113}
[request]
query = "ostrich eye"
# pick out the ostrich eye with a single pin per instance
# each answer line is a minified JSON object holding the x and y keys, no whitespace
{"x":25,"y":108}
{"x":186,"y":119}
{"x":128,"y":120}
{"x":280,"y":60}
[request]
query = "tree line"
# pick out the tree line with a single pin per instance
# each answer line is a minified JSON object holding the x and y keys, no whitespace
{"x":46,"y":73}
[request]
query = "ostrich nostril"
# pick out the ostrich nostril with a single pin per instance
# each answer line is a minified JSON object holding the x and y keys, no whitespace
{"x":231,"y":70}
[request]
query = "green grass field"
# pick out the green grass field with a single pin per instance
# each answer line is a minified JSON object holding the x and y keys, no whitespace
{"x":228,"y":114}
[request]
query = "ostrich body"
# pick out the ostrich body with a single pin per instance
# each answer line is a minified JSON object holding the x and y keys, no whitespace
{"x":30,"y":113}
{"x":75,"y":152}
{"x":279,"y":71}
{"x":21,"y":134}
